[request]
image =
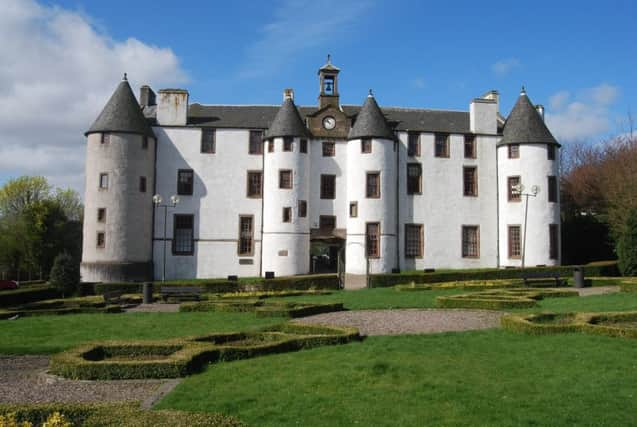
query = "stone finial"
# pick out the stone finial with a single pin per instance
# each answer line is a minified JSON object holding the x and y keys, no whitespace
{"x":329,"y":58}
{"x":370,"y":95}
{"x":523,"y":91}
{"x":125,"y":77}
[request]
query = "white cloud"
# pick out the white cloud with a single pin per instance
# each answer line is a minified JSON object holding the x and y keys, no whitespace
{"x":61,"y":73}
{"x":418,"y":83}
{"x":585,"y":117}
{"x":504,"y":66}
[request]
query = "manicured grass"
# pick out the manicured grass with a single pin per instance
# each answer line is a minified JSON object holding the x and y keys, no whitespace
{"x":620,"y":301}
{"x":51,"y":334}
{"x":475,"y":378}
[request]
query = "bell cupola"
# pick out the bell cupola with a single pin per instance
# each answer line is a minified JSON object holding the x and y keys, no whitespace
{"x":328,"y":79}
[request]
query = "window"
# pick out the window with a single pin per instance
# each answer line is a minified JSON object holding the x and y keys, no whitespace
{"x":184,"y":182}
{"x":329,"y":149}
{"x":246,"y":233}
{"x":256,"y":142}
{"x":145,"y":143}
{"x":183,"y":241}
{"x":271,"y":146}
{"x":514,"y":241}
{"x":552,"y":189}
{"x":328,"y":187}
{"x":287,"y":143}
{"x":373,"y":185}
{"x":327,"y":222}
{"x":103,"y":181}
{"x":469,"y":146}
{"x":101,"y":239}
{"x":101,"y":214}
{"x":554,"y":238}
{"x":302,"y":208}
{"x":441,"y":145}
{"x":287,"y":214}
{"x":255,"y":184}
{"x":470,"y":180}
{"x":366,"y":145}
{"x":372,"y":239}
{"x":470,"y":241}
{"x":353,"y":209}
{"x":303,"y":148}
{"x":512,"y":183}
{"x":413,"y":144}
{"x":106,"y":138}
{"x":550,"y":152}
{"x":285,"y":179}
{"x":413,"y":240}
{"x":514,"y":151}
{"x":142,"y":184}
{"x":207,"y":141}
{"x":414,"y":178}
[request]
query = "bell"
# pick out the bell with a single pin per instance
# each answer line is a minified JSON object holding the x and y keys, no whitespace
{"x":328,"y":87}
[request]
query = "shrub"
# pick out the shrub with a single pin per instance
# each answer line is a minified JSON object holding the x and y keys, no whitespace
{"x":627,"y":246}
{"x":466,"y":284}
{"x":33,"y":293}
{"x":501,"y":298}
{"x":65,"y":274}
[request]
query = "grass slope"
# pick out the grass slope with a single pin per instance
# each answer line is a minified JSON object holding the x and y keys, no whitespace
{"x":473,"y":378}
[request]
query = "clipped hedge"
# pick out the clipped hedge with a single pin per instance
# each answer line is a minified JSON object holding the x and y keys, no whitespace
{"x":296,"y":309}
{"x":465,"y":285}
{"x":601,"y":268}
{"x":261,"y":308}
{"x":21,"y":296}
{"x":115,"y":415}
{"x":501,"y":299}
{"x":273,"y":294}
{"x":628,"y":286}
{"x":59,"y":311}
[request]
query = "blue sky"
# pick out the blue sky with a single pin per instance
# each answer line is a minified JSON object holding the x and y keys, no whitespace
{"x":576,"y":58}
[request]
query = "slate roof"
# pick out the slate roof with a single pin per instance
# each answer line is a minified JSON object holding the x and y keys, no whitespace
{"x":525,"y":125}
{"x":370,"y":122}
{"x":122,"y":113}
{"x":287,"y":122}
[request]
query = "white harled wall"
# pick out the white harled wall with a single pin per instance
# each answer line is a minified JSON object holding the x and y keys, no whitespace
{"x":336,"y":165}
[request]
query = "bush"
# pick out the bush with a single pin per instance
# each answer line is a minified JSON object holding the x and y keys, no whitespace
{"x":65,"y":274}
{"x":501,"y":299}
{"x":627,"y":246}
{"x":466,"y":285}
{"x":33,"y":293}
{"x":261,"y":308}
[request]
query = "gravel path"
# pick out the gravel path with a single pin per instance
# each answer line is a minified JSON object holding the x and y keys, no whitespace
{"x":23,"y":379}
{"x":410,"y":321}
{"x":597,"y":290}
{"x":154,"y":308}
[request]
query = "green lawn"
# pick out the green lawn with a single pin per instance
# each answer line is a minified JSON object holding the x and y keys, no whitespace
{"x":475,"y":378}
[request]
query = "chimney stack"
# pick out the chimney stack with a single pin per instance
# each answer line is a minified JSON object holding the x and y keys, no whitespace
{"x":288,"y":94}
{"x":146,"y":96}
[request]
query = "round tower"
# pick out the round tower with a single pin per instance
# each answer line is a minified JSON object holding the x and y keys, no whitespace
{"x":371,"y":193}
{"x":120,"y":179}
{"x":528,"y":189}
{"x":286,"y":188}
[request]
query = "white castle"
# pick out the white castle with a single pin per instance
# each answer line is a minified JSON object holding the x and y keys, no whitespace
{"x":177,"y":190}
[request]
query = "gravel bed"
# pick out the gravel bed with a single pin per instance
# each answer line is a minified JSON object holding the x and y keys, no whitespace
{"x":410,"y":321}
{"x":23,"y":379}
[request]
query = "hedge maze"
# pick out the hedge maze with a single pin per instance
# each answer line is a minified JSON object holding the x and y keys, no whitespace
{"x":502,"y":298}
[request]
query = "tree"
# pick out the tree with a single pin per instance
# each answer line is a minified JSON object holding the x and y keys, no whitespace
{"x":17,"y":194}
{"x":65,"y":274}
{"x":627,"y":246}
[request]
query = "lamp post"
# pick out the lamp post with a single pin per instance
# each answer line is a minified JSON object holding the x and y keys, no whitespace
{"x":519,"y":189}
{"x":157,"y":199}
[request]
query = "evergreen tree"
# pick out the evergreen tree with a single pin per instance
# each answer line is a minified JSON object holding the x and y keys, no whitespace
{"x":627,"y":246}
{"x":65,"y":274}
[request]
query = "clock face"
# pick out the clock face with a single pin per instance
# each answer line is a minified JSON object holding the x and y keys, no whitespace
{"x":329,"y":122}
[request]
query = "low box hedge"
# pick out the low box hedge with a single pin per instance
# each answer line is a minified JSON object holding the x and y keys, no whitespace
{"x":501,"y":298}
{"x":261,"y":308}
{"x":296,"y":309}
{"x":628,"y":285}
{"x":466,"y":285}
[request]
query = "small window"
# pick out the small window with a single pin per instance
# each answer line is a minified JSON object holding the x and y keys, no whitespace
{"x":550,"y":152}
{"x":514,"y":241}
{"x":469,"y":146}
{"x":145,"y":143}
{"x":414,"y":178}
{"x":470,"y":241}
{"x":514,"y":151}
{"x":101,"y":214}
{"x":183,"y":235}
{"x":372,"y":190}
{"x":302,"y":208}
{"x":554,"y":239}
{"x":303,"y":146}
{"x":246,"y":235}
{"x":271,"y":146}
{"x":327,"y":222}
{"x":185,"y":182}
{"x":285,"y":179}
{"x":101,"y":239}
{"x":103,"y":181}
{"x":106,"y":138}
{"x":372,"y":239}
{"x":413,"y":144}
{"x":512,"y":183}
{"x":142,"y":184}
{"x":287,"y":143}
{"x":441,"y":145}
{"x":207,"y":141}
{"x":328,"y":187}
{"x":552,"y":189}
{"x":255,"y":184}
{"x":470,"y":180}
{"x":366,"y":145}
{"x":329,"y":149}
{"x":353,"y":209}
{"x":413,"y":240}
{"x":256,"y":142}
{"x":287,"y":214}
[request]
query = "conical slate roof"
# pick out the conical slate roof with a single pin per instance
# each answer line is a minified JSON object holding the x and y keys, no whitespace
{"x":525,"y":125}
{"x":122,"y":113}
{"x":370,"y":122}
{"x":287,"y":122}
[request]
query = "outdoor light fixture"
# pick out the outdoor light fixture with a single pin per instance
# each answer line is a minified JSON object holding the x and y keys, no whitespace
{"x":174,"y":200}
{"x":519,"y":189}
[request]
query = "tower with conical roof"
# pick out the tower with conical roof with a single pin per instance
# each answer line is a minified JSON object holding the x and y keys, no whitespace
{"x":371,"y":192}
{"x":528,"y":168}
{"x":286,"y":191}
{"x":120,"y":177}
